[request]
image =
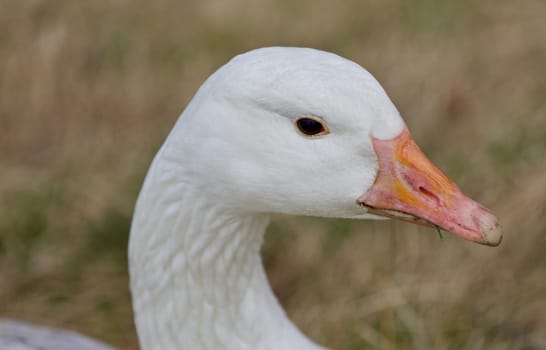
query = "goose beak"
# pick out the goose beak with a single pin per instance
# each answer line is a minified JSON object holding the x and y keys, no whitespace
{"x":410,"y":188}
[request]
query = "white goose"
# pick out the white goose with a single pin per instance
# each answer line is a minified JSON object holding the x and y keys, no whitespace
{"x":275,"y":130}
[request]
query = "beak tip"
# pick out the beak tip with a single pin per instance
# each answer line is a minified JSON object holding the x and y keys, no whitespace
{"x":493,"y":237}
{"x":490,"y":229}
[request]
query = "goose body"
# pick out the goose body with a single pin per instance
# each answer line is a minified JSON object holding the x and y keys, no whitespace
{"x":22,"y":336}
{"x":276,"y":130}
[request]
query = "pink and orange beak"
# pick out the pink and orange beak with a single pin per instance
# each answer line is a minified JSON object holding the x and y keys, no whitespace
{"x":409,"y":187}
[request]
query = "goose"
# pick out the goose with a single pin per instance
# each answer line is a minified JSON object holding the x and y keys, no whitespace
{"x":275,"y":130}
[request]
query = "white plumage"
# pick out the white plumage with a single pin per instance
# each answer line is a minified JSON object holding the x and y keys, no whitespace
{"x":234,"y":156}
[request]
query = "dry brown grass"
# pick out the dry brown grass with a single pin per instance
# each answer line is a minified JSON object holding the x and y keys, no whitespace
{"x":89,"y":89}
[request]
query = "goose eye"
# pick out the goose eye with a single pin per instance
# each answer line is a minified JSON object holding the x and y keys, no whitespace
{"x":311,"y":126}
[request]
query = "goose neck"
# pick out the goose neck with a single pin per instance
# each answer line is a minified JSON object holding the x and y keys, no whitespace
{"x":197,"y":278}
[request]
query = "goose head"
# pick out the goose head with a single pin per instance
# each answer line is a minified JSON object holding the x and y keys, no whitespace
{"x":305,"y":132}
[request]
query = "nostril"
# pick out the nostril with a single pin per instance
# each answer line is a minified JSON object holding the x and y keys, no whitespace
{"x":428,"y":194}
{"x":419,"y":186}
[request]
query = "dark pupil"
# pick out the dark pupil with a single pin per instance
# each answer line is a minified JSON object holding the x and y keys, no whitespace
{"x":309,"y":126}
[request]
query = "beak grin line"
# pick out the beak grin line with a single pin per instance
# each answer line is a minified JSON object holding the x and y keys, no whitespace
{"x":409,"y":187}
{"x":398,"y":215}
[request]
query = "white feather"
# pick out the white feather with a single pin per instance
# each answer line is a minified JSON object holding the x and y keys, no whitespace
{"x":233,"y":157}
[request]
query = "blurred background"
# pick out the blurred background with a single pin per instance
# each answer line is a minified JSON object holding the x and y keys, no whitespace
{"x":89,"y":90}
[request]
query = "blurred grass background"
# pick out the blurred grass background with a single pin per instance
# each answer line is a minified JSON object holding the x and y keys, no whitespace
{"x":89,"y":89}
